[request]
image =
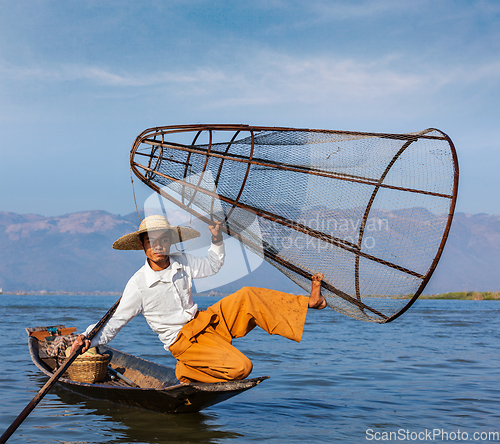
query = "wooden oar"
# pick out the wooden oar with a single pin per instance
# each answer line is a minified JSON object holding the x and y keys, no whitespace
{"x":60,"y":371}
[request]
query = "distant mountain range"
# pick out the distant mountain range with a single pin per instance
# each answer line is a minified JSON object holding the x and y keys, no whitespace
{"x":471,"y":258}
{"x":73,"y":253}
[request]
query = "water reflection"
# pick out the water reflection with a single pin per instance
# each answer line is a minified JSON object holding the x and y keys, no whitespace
{"x":144,"y":426}
{"x":435,"y":367}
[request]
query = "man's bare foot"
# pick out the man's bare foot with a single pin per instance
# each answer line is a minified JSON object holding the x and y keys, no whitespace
{"x":317,"y":300}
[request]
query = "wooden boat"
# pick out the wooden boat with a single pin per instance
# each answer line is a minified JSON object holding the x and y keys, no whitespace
{"x":137,"y":382}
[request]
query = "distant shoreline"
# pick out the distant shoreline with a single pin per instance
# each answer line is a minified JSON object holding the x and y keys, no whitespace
{"x":87,"y":293}
{"x":61,"y":293}
{"x":462,"y":295}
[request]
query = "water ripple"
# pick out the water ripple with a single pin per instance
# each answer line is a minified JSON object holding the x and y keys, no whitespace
{"x":435,"y":367}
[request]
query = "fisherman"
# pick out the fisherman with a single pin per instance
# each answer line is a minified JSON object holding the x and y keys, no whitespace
{"x":199,"y":340}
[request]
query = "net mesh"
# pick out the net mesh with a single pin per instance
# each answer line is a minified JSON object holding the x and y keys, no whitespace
{"x":369,"y":211}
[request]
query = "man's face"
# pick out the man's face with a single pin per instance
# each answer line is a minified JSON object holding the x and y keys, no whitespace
{"x":156,"y":245}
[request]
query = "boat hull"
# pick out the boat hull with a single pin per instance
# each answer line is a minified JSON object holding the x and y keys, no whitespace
{"x":158,"y":389}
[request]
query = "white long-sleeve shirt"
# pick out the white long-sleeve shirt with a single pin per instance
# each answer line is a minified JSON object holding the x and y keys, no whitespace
{"x":163,"y":297}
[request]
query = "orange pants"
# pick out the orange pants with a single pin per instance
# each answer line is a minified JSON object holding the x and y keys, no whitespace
{"x":203,"y":348}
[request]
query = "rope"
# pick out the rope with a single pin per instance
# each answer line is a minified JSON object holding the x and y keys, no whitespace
{"x":133,"y":192}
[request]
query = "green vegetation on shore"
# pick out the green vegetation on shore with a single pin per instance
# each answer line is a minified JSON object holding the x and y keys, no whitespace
{"x":466,"y":295}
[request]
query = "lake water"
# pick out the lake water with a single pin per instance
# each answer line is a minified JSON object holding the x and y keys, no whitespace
{"x":431,"y":375}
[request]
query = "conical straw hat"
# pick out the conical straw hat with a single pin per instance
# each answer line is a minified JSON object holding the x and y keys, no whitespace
{"x":132,"y":241}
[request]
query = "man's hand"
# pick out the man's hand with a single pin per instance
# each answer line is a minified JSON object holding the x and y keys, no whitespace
{"x":80,"y":340}
{"x":216,"y":232}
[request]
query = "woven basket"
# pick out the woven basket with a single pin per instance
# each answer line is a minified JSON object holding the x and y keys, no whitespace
{"x":88,"y":368}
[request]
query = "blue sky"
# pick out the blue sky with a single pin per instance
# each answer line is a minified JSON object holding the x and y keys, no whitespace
{"x":80,"y":80}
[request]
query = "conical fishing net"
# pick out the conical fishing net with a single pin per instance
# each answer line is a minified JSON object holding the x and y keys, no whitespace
{"x":369,"y":211}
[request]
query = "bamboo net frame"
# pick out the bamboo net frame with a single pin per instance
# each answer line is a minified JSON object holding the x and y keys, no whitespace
{"x":372,"y":211}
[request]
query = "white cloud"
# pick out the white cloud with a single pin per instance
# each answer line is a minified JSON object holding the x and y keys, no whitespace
{"x":266,"y":77}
